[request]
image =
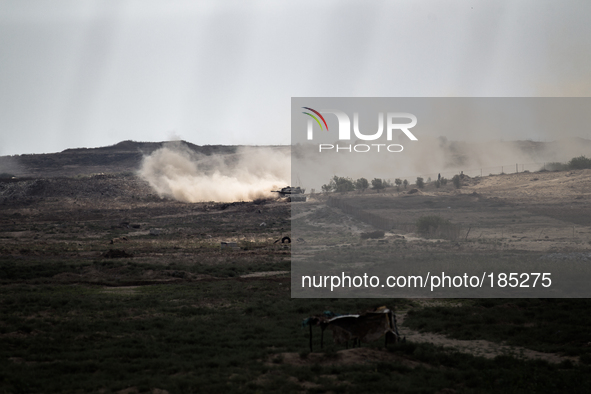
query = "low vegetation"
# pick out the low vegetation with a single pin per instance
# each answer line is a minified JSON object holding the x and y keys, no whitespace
{"x":579,"y":163}
{"x":576,"y":163}
{"x":547,"y":325}
{"x":436,"y":226}
{"x":230,"y":336}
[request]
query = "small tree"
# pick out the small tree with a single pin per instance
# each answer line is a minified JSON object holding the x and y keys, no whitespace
{"x":443,"y":181}
{"x":429,"y":180}
{"x":420,"y":182}
{"x":343,"y":184}
{"x":405,"y":183}
{"x":398,"y":182}
{"x":377,"y":184}
{"x":457,"y":181}
{"x":361,"y":184}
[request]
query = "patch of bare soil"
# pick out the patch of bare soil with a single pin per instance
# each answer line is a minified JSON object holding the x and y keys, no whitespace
{"x":304,"y":384}
{"x":264,"y":274}
{"x":480,"y":347}
{"x":562,"y":195}
{"x":354,"y":356}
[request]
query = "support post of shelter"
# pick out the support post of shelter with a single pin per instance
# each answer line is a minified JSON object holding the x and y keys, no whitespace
{"x":311,"y":338}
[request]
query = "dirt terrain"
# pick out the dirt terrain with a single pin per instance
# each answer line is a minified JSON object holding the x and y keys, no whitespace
{"x":140,"y":266}
{"x":540,"y":211}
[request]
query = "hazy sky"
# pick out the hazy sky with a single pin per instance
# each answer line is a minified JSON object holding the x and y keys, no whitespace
{"x":93,"y":73}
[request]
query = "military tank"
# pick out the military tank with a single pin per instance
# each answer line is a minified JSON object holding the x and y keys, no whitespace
{"x":293,"y":194}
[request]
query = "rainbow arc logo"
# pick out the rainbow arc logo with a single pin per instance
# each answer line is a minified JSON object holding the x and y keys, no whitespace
{"x":315,"y":118}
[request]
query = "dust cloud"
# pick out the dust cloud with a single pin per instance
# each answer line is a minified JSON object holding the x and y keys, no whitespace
{"x":250,"y":173}
{"x":432,"y":156}
{"x":9,"y":166}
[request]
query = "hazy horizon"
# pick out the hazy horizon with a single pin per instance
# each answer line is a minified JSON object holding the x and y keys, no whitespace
{"x":288,"y":145}
{"x":94,"y":73}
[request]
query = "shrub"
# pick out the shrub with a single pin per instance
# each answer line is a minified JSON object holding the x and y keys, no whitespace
{"x":426,"y":224}
{"x":579,"y":163}
{"x":420,"y":182}
{"x":576,"y":163}
{"x":457,"y":181}
{"x":405,"y":183}
{"x":436,"y":226}
{"x":443,"y":181}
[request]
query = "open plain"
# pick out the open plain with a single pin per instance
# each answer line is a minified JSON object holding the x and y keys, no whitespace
{"x":105,"y":286}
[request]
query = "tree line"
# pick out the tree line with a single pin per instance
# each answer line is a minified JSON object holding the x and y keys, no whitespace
{"x":345,"y":184}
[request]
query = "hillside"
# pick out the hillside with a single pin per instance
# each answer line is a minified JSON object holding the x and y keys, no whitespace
{"x":126,"y":156}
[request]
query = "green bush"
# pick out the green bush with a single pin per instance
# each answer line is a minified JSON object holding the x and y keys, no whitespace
{"x":436,"y":226}
{"x":579,"y":163}
{"x":426,"y":224}
{"x":576,"y":163}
